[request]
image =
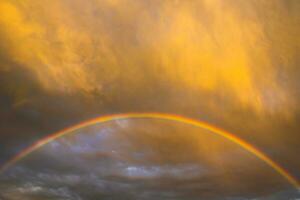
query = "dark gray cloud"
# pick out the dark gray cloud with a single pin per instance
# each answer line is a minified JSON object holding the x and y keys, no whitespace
{"x":142,"y":159}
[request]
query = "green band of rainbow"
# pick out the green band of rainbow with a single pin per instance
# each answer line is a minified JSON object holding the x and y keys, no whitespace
{"x":163,"y":116}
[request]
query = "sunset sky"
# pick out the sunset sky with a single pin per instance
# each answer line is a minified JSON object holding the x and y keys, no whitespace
{"x":233,"y":64}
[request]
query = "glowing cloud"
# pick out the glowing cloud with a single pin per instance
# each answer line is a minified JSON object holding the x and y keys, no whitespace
{"x":212,"y":46}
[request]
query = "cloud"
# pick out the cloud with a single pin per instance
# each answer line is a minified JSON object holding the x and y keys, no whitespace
{"x":233,"y":64}
{"x":135,"y":162}
{"x":226,"y":49}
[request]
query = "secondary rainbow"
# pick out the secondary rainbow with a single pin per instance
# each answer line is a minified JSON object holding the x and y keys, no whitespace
{"x":163,"y":116}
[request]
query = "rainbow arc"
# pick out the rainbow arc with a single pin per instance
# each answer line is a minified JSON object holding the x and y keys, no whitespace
{"x":164,"y":116}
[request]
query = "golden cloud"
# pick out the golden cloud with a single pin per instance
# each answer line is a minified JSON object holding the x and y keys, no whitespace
{"x":230,"y":49}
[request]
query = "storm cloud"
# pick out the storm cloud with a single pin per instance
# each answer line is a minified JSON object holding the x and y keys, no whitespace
{"x":142,"y":159}
{"x":233,"y":64}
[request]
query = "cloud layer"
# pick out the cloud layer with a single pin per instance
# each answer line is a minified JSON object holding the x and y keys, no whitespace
{"x":234,"y":64}
{"x":142,"y":159}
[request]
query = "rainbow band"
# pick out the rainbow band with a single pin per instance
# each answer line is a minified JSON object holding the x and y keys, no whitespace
{"x":163,"y":116}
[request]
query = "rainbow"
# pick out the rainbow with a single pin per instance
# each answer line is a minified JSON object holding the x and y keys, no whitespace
{"x":163,"y":116}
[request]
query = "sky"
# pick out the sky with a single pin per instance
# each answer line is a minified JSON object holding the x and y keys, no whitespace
{"x":233,"y":64}
{"x":143,"y":159}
